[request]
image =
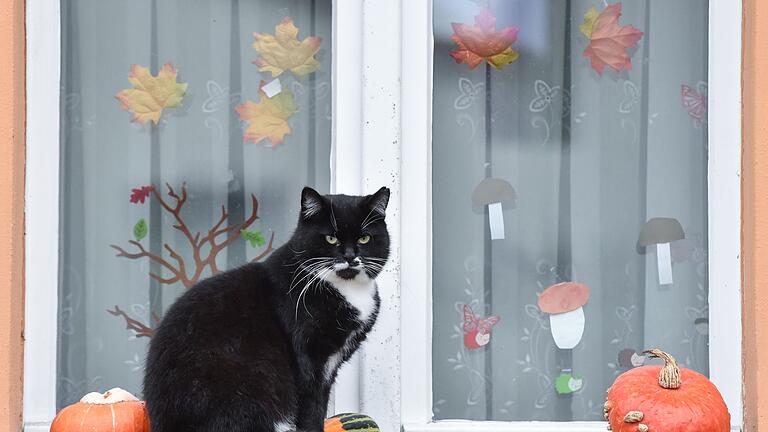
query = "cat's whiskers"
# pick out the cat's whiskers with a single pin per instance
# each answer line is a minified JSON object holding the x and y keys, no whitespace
{"x":304,"y":265}
{"x":302,"y":295}
{"x":373,"y":266}
{"x":372,"y":221}
{"x":308,"y":270}
{"x":333,"y":218}
{"x":365,"y":220}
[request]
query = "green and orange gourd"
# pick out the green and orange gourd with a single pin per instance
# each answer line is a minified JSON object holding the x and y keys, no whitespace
{"x":350,"y":423}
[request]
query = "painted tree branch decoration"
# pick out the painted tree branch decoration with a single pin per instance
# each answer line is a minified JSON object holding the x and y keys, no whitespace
{"x":205,"y":247}
{"x":139,"y":328}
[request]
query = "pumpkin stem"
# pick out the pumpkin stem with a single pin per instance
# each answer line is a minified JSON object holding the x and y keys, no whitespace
{"x":669,"y":376}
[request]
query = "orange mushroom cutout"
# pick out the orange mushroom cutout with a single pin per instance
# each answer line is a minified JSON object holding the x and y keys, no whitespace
{"x":661,"y":231}
{"x":494,"y":192}
{"x":563,"y":302}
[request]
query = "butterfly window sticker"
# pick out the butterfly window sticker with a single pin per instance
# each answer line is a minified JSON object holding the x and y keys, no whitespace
{"x":477,"y":331}
{"x":695,"y":101}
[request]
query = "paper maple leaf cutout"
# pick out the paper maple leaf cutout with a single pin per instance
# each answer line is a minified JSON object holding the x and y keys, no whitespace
{"x":150,"y":94}
{"x":482,"y":42}
{"x":283,"y":51}
{"x":140,"y":194}
{"x":608,"y":42}
{"x":268,"y":119}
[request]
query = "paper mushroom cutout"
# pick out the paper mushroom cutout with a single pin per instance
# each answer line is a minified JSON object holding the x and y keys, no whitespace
{"x":477,"y":331}
{"x":563,"y":302}
{"x":702,"y":325}
{"x":660,"y":232}
{"x":493,"y":192}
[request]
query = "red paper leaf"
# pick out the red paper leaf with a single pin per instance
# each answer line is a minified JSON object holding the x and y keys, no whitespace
{"x":609,"y":42}
{"x":482,"y":42}
{"x":140,"y":194}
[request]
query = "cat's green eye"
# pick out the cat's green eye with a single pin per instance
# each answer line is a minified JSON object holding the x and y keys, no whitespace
{"x":364,"y":239}
{"x":332,"y":240}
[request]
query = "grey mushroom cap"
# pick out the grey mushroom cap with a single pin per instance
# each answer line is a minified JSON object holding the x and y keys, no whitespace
{"x":493,"y":190}
{"x":660,"y":230}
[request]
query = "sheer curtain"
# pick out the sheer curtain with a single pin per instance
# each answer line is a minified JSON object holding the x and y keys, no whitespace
{"x":197,"y":147}
{"x":591,"y":158}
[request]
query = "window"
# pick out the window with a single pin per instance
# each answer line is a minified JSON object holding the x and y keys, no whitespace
{"x":136,"y":190}
{"x":555,"y":161}
{"x":185,"y":136}
{"x":557,"y":168}
{"x":389,"y":105}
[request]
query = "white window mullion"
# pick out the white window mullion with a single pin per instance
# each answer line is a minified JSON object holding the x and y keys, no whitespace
{"x":416,"y":213}
{"x":725,"y":202}
{"x":42,"y":213}
{"x":381,"y":145}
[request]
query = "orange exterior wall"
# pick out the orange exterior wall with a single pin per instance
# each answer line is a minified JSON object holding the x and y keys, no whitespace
{"x":11,"y":212}
{"x":755,"y":214}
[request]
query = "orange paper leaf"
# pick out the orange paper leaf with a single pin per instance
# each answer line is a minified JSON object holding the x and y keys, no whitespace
{"x":482,"y":42}
{"x":283,"y":51}
{"x":268,"y":119}
{"x":608,"y":42}
{"x":150,"y":94}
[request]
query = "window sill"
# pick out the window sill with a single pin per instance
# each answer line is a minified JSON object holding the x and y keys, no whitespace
{"x":37,"y":427}
{"x":472,"y":426}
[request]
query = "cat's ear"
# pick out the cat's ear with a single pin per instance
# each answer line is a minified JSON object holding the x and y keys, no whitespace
{"x":311,"y":203}
{"x":378,"y":201}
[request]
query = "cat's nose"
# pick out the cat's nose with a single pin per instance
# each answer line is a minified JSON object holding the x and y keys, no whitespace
{"x":353,"y":261}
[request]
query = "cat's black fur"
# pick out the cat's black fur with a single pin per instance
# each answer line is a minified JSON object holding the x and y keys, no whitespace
{"x":251,"y":348}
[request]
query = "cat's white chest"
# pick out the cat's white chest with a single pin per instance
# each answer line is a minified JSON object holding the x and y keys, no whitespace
{"x":360,"y":295}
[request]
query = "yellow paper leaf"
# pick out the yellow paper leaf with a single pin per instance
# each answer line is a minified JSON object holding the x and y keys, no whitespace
{"x":504,"y":58}
{"x":150,"y":94}
{"x":283,"y":51}
{"x":268,"y":119}
{"x":590,"y":22}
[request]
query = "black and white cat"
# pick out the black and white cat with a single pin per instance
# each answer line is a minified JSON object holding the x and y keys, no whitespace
{"x":257,"y":348}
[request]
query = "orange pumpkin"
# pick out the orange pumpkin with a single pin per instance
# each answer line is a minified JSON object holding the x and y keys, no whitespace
{"x":113,"y":411}
{"x":665,"y":399}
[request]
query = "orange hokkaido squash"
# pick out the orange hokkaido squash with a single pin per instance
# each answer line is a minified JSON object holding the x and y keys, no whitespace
{"x":113,"y":411}
{"x":665,"y":399}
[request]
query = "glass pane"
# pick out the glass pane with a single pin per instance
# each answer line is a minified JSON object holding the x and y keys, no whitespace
{"x":217,"y":139}
{"x":561,"y":155}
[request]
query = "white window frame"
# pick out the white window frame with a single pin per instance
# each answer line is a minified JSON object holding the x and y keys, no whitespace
{"x":416,"y":266}
{"x":43,"y":21}
{"x":382,"y":87}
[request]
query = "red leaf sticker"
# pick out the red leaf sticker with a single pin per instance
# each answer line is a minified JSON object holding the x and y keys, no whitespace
{"x":608,"y":42}
{"x":140,"y":194}
{"x":482,"y":42}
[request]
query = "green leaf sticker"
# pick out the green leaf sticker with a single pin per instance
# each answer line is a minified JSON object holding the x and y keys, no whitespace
{"x":140,"y":230}
{"x":253,"y":237}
